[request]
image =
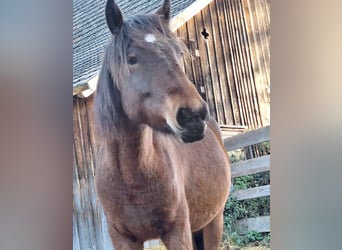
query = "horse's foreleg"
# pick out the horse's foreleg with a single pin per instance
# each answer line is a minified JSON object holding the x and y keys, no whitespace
{"x":179,"y":237}
{"x":121,"y":242}
{"x":212,"y":233}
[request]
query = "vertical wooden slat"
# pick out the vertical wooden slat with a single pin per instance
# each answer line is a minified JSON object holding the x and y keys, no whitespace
{"x":232,"y":67}
{"x":211,"y":53}
{"x":231,"y":98}
{"x":258,"y":26}
{"x":195,"y":62}
{"x":191,"y":47}
{"x":182,"y":32}
{"x":248,"y":68}
{"x":242,"y":64}
{"x":220,"y":63}
{"x":240,"y":60}
{"x":205,"y":65}
{"x":179,"y":34}
{"x":235,"y":59}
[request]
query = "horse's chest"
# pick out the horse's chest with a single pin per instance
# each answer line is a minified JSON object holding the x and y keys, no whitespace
{"x":138,"y":191}
{"x":144,"y":212}
{"x":144,"y":195}
{"x":140,"y":204}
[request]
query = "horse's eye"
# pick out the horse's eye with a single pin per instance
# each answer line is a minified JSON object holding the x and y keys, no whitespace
{"x":132,"y":60}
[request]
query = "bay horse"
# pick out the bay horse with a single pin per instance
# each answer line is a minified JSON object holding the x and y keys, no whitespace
{"x":162,"y":170}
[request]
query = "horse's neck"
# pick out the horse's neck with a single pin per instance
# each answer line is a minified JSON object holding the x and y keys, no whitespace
{"x":136,"y":149}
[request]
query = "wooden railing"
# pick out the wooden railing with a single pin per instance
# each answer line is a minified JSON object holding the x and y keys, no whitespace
{"x":247,"y":167}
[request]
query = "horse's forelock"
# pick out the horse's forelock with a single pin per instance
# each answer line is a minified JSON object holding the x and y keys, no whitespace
{"x":141,"y":25}
{"x":137,"y":27}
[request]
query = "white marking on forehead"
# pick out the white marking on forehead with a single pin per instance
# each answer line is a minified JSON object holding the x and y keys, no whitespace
{"x":150,"y":38}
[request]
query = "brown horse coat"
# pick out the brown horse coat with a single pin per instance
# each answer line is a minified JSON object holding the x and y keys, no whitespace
{"x":162,"y":170}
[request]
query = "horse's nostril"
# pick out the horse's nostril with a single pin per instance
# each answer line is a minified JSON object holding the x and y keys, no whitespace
{"x":186,"y":115}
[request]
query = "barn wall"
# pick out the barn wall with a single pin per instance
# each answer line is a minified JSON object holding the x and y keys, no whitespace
{"x":89,"y":224}
{"x":230,"y":67}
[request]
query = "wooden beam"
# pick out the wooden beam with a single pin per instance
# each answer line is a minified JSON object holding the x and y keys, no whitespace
{"x":252,"y":166}
{"x":188,"y":13}
{"x":78,"y":88}
{"x":86,"y":93}
{"x":259,"y":224}
{"x":251,"y":193}
{"x":248,"y":138}
{"x":87,"y":88}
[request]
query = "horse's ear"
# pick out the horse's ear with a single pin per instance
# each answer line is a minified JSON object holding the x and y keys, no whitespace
{"x":113,"y":17}
{"x":164,"y":10}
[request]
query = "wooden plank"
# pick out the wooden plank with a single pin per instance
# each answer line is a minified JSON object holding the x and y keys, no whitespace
{"x":205,"y":64}
{"x":243,"y":71}
{"x":253,"y":166}
{"x":232,"y":74}
{"x":251,"y":193}
{"x":259,"y":224}
{"x":77,"y":88}
{"x":195,"y":62}
{"x":218,"y":59}
{"x":248,"y":138}
{"x":236,"y":60}
{"x":245,"y":47}
{"x":188,"y":13}
{"x":213,"y":69}
{"x":249,"y":84}
{"x":231,"y":96}
{"x":235,"y":33}
{"x":182,"y":32}
{"x":231,"y":130}
{"x":258,"y":26}
{"x":90,"y":85}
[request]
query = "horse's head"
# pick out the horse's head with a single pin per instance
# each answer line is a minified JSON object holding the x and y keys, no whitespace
{"x":143,"y":80}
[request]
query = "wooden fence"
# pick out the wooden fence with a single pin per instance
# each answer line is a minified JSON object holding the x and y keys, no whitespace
{"x":247,"y":167}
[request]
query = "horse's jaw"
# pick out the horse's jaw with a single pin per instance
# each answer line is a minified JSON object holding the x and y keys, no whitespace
{"x":184,"y":135}
{"x":190,"y":138}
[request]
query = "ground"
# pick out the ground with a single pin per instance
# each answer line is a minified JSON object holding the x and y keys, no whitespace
{"x":231,"y":248}
{"x":249,"y":248}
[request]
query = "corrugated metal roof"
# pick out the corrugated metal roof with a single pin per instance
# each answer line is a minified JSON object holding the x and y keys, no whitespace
{"x":90,"y":32}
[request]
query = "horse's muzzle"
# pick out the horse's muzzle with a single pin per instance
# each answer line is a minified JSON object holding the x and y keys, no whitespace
{"x":193,"y":123}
